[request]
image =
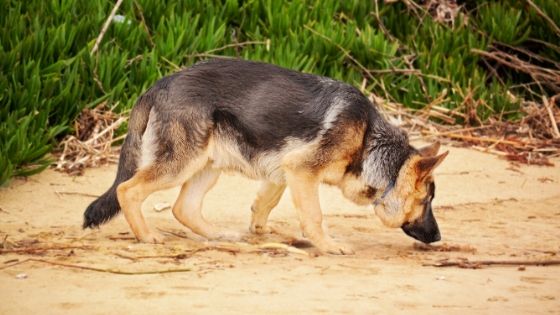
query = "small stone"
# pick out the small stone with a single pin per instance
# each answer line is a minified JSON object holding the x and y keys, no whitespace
{"x":21,"y":276}
{"x":521,"y":268}
{"x":159,"y":207}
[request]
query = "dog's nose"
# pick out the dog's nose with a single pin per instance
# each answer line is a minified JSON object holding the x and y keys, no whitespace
{"x":422,"y":232}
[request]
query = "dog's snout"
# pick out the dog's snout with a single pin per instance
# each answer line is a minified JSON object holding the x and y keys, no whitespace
{"x":424,"y":229}
{"x":421,"y":233}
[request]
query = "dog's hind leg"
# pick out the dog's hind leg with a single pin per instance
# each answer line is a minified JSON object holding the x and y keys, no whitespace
{"x":188,"y":207}
{"x":267,"y":198}
{"x":132,"y":193}
{"x":304,"y":188}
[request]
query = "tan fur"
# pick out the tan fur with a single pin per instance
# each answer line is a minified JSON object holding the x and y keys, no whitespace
{"x":352,"y":187}
{"x":132,"y":193}
{"x":267,"y":198}
{"x":304,"y":187}
{"x":410,"y":190}
{"x":304,"y":183}
{"x":188,"y":207}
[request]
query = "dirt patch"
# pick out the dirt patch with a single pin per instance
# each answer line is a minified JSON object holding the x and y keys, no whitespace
{"x":486,"y":210}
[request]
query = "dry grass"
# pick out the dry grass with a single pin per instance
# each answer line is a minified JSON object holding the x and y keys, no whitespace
{"x":532,"y":140}
{"x":91,"y":143}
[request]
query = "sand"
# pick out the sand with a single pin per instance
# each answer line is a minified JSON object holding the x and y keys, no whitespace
{"x":486,"y":208}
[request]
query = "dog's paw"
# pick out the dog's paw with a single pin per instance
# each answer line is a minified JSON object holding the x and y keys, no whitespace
{"x":336,"y":248}
{"x":259,"y":229}
{"x":152,"y":238}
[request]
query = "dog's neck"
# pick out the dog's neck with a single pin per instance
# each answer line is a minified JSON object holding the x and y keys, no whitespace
{"x":387,"y":148}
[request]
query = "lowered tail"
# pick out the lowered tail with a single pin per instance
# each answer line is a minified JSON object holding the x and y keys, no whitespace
{"x":107,"y":206}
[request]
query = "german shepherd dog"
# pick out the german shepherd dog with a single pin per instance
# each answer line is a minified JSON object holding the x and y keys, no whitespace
{"x":286,"y":128}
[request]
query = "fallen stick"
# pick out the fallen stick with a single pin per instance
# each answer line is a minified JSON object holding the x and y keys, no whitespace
{"x":545,"y":17}
{"x":15,"y":264}
{"x":472,"y":138}
{"x":443,"y":248}
{"x":476,"y":264}
{"x":105,"y":270}
{"x":28,"y":250}
{"x":109,"y":128}
{"x":209,"y":52}
{"x":285,"y":247}
{"x":555,"y":131}
{"x":175,"y":257}
{"x":173,"y":233}
{"x":105,"y":26}
{"x":76,"y":193}
{"x":455,"y":131}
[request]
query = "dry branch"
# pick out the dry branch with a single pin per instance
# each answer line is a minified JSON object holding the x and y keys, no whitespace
{"x":532,"y":140}
{"x":210,"y":53}
{"x":174,"y":257}
{"x":105,"y":270}
{"x":545,"y":17}
{"x":553,"y":122}
{"x":105,"y":26}
{"x":76,"y":193}
{"x":32,"y":250}
{"x":477,"y":264}
{"x":443,"y":248}
{"x":550,"y":77}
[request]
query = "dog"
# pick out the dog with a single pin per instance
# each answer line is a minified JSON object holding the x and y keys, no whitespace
{"x":285,"y":128}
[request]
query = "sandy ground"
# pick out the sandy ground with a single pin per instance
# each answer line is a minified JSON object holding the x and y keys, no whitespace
{"x":484,"y":206}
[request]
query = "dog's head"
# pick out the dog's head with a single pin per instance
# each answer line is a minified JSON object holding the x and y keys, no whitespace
{"x":407,"y":203}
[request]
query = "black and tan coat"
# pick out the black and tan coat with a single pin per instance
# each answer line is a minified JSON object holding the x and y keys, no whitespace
{"x":285,"y":128}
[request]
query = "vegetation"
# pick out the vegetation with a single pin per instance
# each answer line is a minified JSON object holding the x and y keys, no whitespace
{"x":48,"y":76}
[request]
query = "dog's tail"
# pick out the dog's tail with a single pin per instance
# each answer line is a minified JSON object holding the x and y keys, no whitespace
{"x":107,"y":206}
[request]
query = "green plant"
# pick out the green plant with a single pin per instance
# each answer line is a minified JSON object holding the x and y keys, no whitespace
{"x":48,"y":76}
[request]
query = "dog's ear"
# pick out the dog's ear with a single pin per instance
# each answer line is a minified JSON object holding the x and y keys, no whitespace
{"x":429,"y":150}
{"x":426,"y":165}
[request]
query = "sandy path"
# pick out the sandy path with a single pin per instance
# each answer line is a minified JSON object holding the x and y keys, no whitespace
{"x":502,"y":212}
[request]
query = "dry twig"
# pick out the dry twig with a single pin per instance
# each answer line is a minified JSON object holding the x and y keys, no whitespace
{"x":477,"y":264}
{"x":550,"y":77}
{"x":76,"y":193}
{"x":91,"y":145}
{"x":210,"y":53}
{"x":105,"y":270}
{"x":545,"y":17}
{"x":443,"y":248}
{"x":32,"y":250}
{"x":105,"y":26}
{"x":530,"y":141}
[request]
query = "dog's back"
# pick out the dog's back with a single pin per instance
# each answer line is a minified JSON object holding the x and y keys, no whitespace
{"x":253,"y":113}
{"x":270,"y":103}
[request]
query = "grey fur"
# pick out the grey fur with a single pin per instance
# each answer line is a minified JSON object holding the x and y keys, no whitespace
{"x":387,"y":150}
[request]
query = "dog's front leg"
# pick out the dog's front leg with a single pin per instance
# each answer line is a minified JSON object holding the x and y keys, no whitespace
{"x":304,"y":188}
{"x":267,"y":198}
